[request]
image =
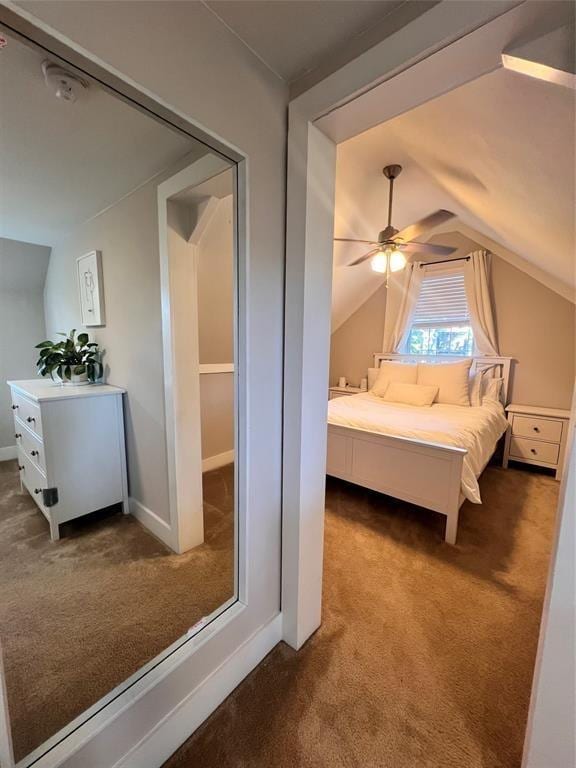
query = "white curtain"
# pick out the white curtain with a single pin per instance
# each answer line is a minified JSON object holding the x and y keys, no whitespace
{"x":407,"y":291}
{"x":479,"y":303}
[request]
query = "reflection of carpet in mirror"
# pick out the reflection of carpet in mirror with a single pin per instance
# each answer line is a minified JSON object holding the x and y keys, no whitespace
{"x":79,"y":616}
{"x":425,"y":654}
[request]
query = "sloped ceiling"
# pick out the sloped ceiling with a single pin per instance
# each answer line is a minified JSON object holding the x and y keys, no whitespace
{"x":62,"y":163}
{"x":498,"y":152}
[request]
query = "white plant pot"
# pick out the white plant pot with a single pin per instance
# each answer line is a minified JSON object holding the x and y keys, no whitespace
{"x":76,"y":380}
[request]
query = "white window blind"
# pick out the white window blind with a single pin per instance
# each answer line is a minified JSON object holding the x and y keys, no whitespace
{"x":441,"y":321}
{"x":442,"y":301}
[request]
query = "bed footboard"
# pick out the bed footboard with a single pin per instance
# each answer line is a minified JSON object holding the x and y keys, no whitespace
{"x":426,"y":474}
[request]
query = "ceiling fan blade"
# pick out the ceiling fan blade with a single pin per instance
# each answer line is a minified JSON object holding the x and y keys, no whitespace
{"x":428,"y":222}
{"x":352,"y":240}
{"x":363,"y":258}
{"x":430,"y":248}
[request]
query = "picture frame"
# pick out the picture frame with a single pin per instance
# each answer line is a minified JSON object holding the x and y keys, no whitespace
{"x":91,"y":288}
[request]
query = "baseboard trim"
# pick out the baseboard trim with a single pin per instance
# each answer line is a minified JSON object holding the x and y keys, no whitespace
{"x":160,"y":528}
{"x":173,"y":730}
{"x":8,"y":453}
{"x":220,"y":460}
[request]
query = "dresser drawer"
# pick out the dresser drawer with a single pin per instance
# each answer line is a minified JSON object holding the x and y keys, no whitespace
{"x":32,"y":478}
{"x":533,"y":426}
{"x":31,"y":445}
{"x":534,"y":450}
{"x":28,"y":413}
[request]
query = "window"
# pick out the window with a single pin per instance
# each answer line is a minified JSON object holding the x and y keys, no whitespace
{"x":441,"y":322}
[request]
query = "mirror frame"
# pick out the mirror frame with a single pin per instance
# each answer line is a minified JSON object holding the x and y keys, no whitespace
{"x":79,"y":731}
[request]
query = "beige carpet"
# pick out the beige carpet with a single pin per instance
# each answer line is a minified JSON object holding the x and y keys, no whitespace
{"x":79,"y":616}
{"x":426,"y":652}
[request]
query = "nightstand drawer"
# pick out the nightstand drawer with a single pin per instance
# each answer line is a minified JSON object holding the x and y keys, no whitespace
{"x":532,"y":426}
{"x":535,"y":450}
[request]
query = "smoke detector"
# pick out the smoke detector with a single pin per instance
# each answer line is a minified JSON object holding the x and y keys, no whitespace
{"x":64,"y":84}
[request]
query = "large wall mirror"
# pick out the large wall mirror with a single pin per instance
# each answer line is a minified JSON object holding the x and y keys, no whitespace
{"x":118,"y":394}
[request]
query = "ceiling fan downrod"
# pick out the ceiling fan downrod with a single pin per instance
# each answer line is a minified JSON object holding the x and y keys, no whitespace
{"x":391,"y":172}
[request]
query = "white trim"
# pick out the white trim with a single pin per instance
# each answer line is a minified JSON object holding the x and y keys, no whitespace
{"x":216,"y":368}
{"x":175,"y":727}
{"x":178,"y":283}
{"x":218,"y":460}
{"x":8,"y":453}
{"x":150,"y":520}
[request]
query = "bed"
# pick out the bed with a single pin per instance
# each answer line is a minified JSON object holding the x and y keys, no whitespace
{"x":431,"y":456}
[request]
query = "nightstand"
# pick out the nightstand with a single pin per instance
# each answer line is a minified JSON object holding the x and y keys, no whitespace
{"x":335,"y":392}
{"x":536,"y":436}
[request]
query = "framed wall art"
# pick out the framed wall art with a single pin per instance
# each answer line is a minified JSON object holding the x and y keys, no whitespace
{"x":91,"y":288}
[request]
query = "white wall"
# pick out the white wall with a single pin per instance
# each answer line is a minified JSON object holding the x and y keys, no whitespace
{"x":200,"y":68}
{"x":22,"y":273}
{"x":216,"y":330}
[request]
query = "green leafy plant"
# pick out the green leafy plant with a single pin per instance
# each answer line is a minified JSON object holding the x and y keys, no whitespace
{"x":75,"y":355}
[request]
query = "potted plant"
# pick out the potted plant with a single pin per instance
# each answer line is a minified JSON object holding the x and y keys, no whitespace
{"x":76,"y":360}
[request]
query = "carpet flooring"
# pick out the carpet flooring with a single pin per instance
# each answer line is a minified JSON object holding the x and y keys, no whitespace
{"x":79,"y":616}
{"x":426,"y":652}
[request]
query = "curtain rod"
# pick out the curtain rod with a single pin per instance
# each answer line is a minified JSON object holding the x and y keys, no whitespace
{"x":443,"y":261}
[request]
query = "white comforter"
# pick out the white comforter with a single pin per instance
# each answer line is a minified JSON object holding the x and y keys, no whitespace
{"x":476,"y":429}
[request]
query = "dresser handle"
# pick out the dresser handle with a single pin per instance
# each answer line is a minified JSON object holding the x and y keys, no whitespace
{"x":34,"y":453}
{"x":17,"y":435}
{"x":14,"y":407}
{"x":37,"y":490}
{"x":31,"y":419}
{"x":20,"y":467}
{"x":536,"y":429}
{"x":533,"y":450}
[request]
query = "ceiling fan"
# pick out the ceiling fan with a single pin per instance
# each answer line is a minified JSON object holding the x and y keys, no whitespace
{"x":388,"y":252}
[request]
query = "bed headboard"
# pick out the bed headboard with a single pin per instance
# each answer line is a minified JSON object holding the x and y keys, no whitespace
{"x":500,"y":367}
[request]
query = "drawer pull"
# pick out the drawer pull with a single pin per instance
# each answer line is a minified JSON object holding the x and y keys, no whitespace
{"x":31,"y":419}
{"x":34,"y":453}
{"x":17,"y":435}
{"x":14,"y":407}
{"x":20,"y":467}
{"x":37,"y":490}
{"x":536,"y":429}
{"x":533,"y":450}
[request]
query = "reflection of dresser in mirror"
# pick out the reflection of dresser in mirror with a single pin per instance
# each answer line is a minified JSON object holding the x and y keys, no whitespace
{"x":71,"y":449}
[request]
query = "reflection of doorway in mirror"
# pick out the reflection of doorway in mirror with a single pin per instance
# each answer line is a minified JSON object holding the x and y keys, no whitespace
{"x":90,"y":288}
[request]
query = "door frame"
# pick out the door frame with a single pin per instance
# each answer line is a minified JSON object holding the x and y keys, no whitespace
{"x":449,"y":45}
{"x":179,"y":302}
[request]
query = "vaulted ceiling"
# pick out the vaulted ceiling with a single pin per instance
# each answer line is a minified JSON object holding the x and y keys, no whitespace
{"x":62,"y":163}
{"x":498,"y":152}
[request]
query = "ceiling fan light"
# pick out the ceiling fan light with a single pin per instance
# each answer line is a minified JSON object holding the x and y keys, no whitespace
{"x":397,"y":261}
{"x":379,"y":262}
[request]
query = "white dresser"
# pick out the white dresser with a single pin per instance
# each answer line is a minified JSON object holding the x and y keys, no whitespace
{"x":537,"y":436}
{"x":71,"y":449}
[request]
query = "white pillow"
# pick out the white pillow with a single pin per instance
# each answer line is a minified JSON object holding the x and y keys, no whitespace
{"x":493,"y":390}
{"x":450,"y":378}
{"x":410,"y":394}
{"x":405,"y":373}
{"x":478,"y":382}
{"x":372,"y":376}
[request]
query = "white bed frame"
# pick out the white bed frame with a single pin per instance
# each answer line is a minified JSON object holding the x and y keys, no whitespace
{"x":423,"y":473}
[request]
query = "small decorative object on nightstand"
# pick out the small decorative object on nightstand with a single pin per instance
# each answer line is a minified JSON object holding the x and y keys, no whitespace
{"x":334,"y":392}
{"x":536,"y":436}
